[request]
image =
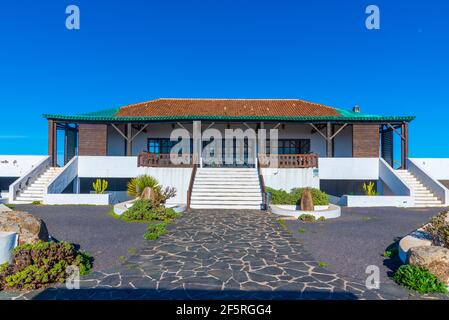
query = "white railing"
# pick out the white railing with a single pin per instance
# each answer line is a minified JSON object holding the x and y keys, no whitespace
{"x":28,"y":178}
{"x":387,"y":174}
{"x":434,"y":185}
{"x":63,"y":179}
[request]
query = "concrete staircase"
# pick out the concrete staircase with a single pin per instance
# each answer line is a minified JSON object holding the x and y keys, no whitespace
{"x":423,"y":196}
{"x":226,"y":188}
{"x":35,"y":191}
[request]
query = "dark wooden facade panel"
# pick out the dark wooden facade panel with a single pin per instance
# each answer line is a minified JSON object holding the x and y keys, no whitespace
{"x":92,"y":140}
{"x":365,"y":141}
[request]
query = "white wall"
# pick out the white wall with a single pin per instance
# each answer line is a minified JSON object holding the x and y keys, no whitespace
{"x":126,"y":167}
{"x":76,"y":199}
{"x":288,"y":179}
{"x":376,"y":201}
{"x":438,"y":168}
{"x":16,"y":166}
{"x":348,"y":168}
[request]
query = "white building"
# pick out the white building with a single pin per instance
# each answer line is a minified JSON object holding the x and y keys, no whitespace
{"x":332,"y":149}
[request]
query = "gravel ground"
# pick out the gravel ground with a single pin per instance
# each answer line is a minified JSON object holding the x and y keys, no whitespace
{"x":90,"y":227}
{"x":359,"y":238}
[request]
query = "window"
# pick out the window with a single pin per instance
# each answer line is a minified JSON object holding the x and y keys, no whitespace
{"x":163,"y":145}
{"x":291,"y":146}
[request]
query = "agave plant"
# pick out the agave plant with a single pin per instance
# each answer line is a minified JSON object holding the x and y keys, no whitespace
{"x":137,"y":185}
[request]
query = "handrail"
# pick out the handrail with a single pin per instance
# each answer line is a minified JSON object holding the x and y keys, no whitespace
{"x":261,"y":179}
{"x":63,"y":178}
{"x":262,"y":185}
{"x":289,"y":160}
{"x":146,"y":159}
{"x":192,"y":180}
{"x":428,"y":181}
{"x":24,"y":181}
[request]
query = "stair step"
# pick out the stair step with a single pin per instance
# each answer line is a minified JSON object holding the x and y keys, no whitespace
{"x":232,"y":183}
{"x":230,"y":194}
{"x":223,"y":206}
{"x":224,"y":198}
{"x":228,"y":202}
{"x":20,"y":198}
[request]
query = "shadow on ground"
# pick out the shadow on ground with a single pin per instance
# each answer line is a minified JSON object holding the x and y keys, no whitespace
{"x":192,"y":294}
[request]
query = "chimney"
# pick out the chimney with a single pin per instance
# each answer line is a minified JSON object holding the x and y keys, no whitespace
{"x":356,"y":109}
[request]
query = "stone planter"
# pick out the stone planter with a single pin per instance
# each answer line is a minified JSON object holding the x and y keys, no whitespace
{"x":330,"y":211}
{"x":8,"y":241}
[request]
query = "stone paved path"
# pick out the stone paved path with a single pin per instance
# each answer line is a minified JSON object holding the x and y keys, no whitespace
{"x":219,"y":254}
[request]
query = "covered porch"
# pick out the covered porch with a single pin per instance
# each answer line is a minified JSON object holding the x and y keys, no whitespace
{"x":299,"y":144}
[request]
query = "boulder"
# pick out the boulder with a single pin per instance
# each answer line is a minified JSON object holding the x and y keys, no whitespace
{"x":433,"y":258}
{"x":29,"y":228}
{"x":148,"y":194}
{"x":307,"y":201}
{"x":4,"y":208}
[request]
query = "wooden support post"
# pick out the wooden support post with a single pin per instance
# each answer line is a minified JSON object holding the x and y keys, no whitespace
{"x":52,"y":142}
{"x":404,"y":145}
{"x":129,"y":140}
{"x":197,"y":142}
{"x":329,"y":140}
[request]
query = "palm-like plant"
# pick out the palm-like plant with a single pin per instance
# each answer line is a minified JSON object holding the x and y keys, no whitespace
{"x":137,"y":185}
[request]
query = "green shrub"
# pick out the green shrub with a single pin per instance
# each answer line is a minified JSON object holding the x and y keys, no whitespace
{"x":369,"y":189}
{"x":293,"y":197}
{"x":136,"y":185}
{"x":322,"y":218}
{"x":36,"y":265}
{"x":36,"y":203}
{"x":154,"y":231}
{"x":439,"y":229}
{"x":418,"y":279}
{"x":307,"y":218}
{"x":143,"y":210}
{"x":100,"y":186}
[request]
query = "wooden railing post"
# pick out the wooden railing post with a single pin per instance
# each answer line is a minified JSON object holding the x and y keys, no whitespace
{"x":192,"y":180}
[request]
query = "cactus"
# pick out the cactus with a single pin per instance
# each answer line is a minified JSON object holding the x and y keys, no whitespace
{"x":100,"y":186}
{"x":369,"y":189}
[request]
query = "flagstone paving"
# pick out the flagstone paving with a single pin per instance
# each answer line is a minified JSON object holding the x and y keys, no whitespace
{"x":220,"y":254}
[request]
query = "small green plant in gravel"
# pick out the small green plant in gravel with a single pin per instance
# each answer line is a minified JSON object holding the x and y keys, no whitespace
{"x":302,"y":230}
{"x":392,"y":251}
{"x":156,"y":230}
{"x":418,"y":279}
{"x":282,"y":223}
{"x":307,"y":218}
{"x":121,"y":259}
{"x":322,"y":264}
{"x":36,"y":203}
{"x":132,"y":251}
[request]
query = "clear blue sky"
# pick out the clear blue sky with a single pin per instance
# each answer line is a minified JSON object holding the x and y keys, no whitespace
{"x":132,"y":51}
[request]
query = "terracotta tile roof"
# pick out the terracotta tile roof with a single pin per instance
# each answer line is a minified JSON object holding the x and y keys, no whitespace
{"x":227,"y":107}
{"x":225,"y":110}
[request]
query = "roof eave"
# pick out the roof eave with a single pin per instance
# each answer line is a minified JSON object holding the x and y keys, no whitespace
{"x":230,"y":118}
